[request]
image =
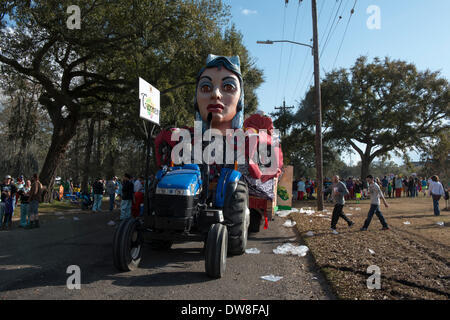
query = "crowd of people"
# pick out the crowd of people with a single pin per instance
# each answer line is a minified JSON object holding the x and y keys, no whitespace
{"x":29,"y":193}
{"x":126,"y":194}
{"x":394,"y":186}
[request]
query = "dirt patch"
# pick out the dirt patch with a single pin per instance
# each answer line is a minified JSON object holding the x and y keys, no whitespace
{"x":413,"y":258}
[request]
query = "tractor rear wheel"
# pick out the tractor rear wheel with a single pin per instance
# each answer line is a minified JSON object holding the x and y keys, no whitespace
{"x":237,"y":219}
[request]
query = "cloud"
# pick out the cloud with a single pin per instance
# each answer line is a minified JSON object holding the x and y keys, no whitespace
{"x":248,"y":12}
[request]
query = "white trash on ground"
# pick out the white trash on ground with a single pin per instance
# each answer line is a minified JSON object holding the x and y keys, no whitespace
{"x":309,"y":234}
{"x":406,"y":222}
{"x":358,"y":209}
{"x":285,"y":213}
{"x":371,"y":251}
{"x":271,"y":277}
{"x":76,"y":218}
{"x":111,"y":223}
{"x":288,"y":248}
{"x":308,"y":211}
{"x":441,"y":223}
{"x":252,"y":251}
{"x":289,"y":224}
{"x":351,"y":208}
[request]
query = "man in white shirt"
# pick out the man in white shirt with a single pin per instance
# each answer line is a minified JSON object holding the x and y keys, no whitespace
{"x":375,"y":195}
{"x":436,"y":191}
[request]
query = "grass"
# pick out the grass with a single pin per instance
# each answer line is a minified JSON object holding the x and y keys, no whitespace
{"x":413,"y":258}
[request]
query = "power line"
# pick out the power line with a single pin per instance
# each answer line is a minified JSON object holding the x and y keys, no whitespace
{"x":281,"y":52}
{"x":332,"y":30}
{"x":290,"y":54}
{"x":321,"y":7}
{"x":345,"y":32}
{"x":301,"y":75}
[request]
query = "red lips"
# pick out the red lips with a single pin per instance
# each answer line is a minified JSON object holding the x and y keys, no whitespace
{"x":215,"y":108}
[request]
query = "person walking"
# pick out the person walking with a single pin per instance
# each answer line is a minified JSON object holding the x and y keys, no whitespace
{"x":35,"y":198}
{"x":98,"y":195}
{"x":111,"y":191}
{"x":127,"y":197}
{"x":338,"y":190}
{"x":375,"y":195}
{"x":436,"y":192}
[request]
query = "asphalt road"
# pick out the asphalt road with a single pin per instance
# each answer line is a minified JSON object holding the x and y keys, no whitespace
{"x":33,"y":265}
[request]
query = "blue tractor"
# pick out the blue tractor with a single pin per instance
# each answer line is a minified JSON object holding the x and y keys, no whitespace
{"x":183,"y":208}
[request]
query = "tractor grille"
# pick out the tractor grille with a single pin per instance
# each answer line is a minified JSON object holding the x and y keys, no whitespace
{"x":174,"y":206}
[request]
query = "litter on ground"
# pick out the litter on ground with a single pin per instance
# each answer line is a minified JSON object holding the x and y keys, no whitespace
{"x":271,"y":277}
{"x":371,"y":251}
{"x":111,"y":223}
{"x":285,"y":213}
{"x":252,"y":251}
{"x":289,"y":224}
{"x":307,"y":211}
{"x":76,"y":218}
{"x":288,"y":248}
{"x":310,"y":234}
{"x":441,"y":223}
{"x":406,"y":222}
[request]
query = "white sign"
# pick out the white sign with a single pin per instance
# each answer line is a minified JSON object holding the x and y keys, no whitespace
{"x":149,"y":101}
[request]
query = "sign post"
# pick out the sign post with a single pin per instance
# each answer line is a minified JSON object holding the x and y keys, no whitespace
{"x":149,"y":109}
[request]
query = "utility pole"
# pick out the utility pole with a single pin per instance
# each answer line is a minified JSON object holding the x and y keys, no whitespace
{"x":318,"y":139}
{"x":282,"y":114}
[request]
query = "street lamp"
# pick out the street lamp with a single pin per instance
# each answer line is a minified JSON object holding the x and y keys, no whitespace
{"x":294,"y":42}
{"x":317,"y":96}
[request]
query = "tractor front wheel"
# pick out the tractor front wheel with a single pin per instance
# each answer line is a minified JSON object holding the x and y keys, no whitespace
{"x":127,"y":245}
{"x":216,"y":251}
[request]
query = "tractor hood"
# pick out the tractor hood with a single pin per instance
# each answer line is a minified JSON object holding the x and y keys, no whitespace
{"x":181,"y":182}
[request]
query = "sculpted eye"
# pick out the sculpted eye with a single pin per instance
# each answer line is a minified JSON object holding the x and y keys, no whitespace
{"x":205,"y":88}
{"x":229,"y":87}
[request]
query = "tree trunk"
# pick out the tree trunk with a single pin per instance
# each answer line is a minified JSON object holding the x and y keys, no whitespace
{"x":365,"y":164}
{"x":87,"y":158}
{"x":76,"y":178}
{"x":62,"y":134}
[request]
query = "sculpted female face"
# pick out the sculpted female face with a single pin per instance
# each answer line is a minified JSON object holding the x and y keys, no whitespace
{"x":218,"y":92}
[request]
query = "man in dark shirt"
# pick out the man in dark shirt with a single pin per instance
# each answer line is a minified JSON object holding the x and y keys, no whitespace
{"x":7,"y":188}
{"x":98,"y":195}
{"x":127,"y":197}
